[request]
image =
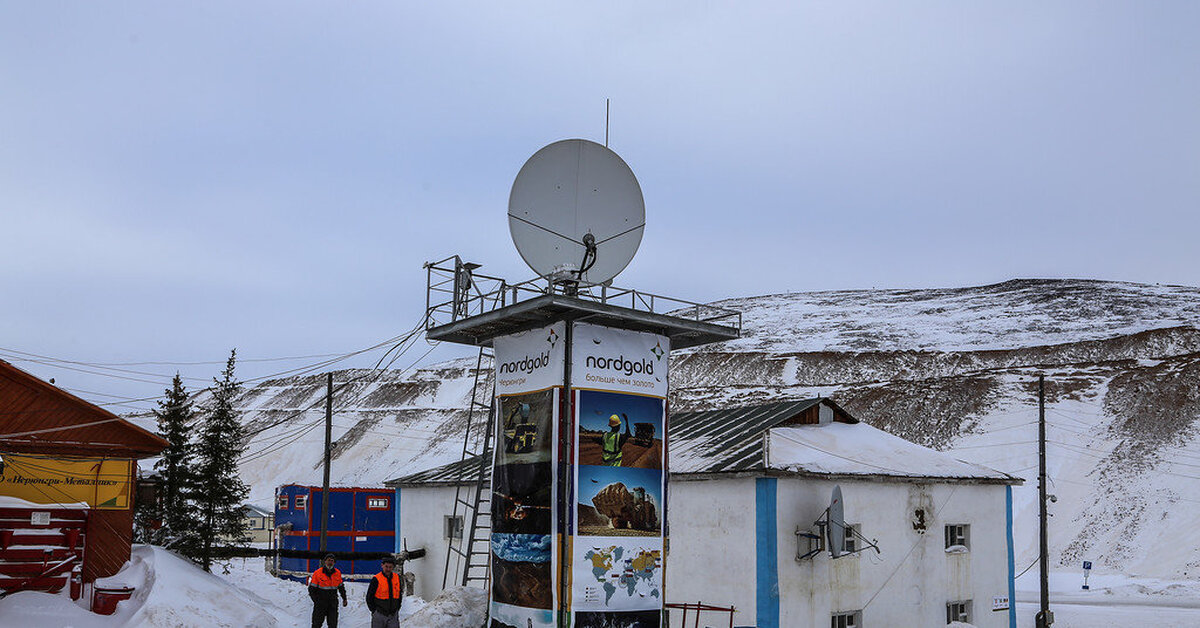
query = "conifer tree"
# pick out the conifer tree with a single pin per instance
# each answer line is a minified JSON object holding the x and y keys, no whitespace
{"x":220,"y":493}
{"x":174,"y":508}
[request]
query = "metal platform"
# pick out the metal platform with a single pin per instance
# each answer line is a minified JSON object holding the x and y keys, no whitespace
{"x":468,"y":308}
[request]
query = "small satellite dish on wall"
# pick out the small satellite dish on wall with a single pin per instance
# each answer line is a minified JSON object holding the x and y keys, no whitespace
{"x":576,"y":212}
{"x":837,"y":524}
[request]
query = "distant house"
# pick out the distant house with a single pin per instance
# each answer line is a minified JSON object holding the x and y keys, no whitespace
{"x":66,"y":485}
{"x":259,"y":523}
{"x":748,"y":494}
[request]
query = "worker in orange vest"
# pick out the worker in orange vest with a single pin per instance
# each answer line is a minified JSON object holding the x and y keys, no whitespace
{"x":384,"y":595}
{"x":323,"y":586}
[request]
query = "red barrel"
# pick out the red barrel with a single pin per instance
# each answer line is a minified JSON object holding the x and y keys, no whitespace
{"x":104,"y":600}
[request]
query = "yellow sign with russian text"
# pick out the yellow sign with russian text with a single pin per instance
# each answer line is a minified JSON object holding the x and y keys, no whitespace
{"x":101,"y":483}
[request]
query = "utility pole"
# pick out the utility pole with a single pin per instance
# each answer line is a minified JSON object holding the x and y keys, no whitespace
{"x":1044,"y":617}
{"x":328,"y":438}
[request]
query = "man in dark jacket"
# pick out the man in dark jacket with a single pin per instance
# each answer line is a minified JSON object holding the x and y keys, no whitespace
{"x":384,"y":595}
{"x":323,"y":587}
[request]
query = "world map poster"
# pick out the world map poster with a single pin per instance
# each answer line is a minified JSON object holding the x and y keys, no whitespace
{"x":617,"y":573}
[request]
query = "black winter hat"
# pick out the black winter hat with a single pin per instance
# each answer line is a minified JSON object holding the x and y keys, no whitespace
{"x":388,"y":559}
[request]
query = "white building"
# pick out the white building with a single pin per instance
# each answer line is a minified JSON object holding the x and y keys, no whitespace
{"x":746,"y":490}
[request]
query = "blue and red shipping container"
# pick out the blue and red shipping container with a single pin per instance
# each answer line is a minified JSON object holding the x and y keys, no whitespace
{"x":360,"y":520}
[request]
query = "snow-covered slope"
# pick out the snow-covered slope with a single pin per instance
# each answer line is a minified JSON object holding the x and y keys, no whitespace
{"x":952,"y":369}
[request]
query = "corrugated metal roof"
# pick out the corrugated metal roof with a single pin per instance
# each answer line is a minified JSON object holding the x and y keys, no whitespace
{"x":716,"y":441}
{"x":36,"y":416}
{"x":726,"y":440}
{"x":465,"y":471}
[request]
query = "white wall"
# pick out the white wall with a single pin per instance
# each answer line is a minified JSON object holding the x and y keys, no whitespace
{"x":421,"y":525}
{"x":713,"y":551}
{"x":712,"y":548}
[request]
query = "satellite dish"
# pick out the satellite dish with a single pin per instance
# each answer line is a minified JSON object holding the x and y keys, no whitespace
{"x":576,"y":212}
{"x":837,"y":523}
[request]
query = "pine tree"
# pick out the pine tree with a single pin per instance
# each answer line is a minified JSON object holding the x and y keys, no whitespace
{"x":220,"y":493}
{"x":177,"y":471}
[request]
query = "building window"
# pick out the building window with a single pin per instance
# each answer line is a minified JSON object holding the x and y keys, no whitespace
{"x":959,"y":611}
{"x":846,"y":620}
{"x":377,"y":503}
{"x":453,"y":527}
{"x":958,"y":537}
{"x":301,"y":502}
{"x":283,"y":502}
{"x":851,"y":544}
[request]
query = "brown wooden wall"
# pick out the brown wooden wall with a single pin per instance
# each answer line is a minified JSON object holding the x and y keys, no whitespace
{"x":108,"y":543}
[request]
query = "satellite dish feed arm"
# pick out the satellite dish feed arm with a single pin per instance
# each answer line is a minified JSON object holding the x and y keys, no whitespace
{"x":871,"y":543}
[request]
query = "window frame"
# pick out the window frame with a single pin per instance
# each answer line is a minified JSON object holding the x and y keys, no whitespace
{"x":846,"y":619}
{"x":302,"y":502}
{"x":850,"y":543}
{"x":283,"y":502}
{"x":373,"y":500}
{"x":953,"y":614}
{"x":455,"y":533}
{"x":959,"y":532}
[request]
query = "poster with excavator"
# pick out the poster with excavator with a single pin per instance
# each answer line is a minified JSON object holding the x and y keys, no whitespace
{"x":529,"y":379}
{"x":619,"y":390}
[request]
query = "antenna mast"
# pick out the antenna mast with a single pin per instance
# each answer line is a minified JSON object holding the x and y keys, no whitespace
{"x":606,"y":123}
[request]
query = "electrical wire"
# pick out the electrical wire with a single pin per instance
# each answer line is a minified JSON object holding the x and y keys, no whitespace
{"x":378,"y":374}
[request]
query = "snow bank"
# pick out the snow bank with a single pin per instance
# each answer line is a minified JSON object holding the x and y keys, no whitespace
{"x":177,"y":593}
{"x":459,"y":607}
{"x":170,"y":592}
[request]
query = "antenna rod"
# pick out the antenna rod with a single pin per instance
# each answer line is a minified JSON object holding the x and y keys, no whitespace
{"x":606,"y":123}
{"x":1044,"y":617}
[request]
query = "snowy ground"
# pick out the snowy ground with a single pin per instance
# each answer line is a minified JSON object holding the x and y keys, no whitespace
{"x":171,"y":593}
{"x":1113,"y":601}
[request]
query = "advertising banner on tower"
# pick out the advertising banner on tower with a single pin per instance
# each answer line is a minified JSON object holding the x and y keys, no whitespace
{"x":529,"y":378}
{"x":619,"y":390}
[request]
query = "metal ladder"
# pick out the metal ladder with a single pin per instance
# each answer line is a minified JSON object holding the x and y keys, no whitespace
{"x":477,"y":504}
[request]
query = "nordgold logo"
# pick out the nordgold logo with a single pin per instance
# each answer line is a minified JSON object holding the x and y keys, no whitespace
{"x":526,"y":364}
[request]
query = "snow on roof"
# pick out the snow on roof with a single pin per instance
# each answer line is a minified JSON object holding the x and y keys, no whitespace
{"x":859,"y":449}
{"x":250,"y":510}
{"x":770,"y":437}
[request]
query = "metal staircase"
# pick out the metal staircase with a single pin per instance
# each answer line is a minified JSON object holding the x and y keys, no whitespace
{"x":474,"y":504}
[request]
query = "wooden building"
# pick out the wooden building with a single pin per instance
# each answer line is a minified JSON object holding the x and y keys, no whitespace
{"x":66,"y":486}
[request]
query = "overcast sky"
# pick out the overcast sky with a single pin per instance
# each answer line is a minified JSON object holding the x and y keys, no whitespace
{"x":176,"y":181}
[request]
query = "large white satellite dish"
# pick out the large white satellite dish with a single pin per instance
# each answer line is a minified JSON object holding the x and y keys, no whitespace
{"x":576,"y":212}
{"x":837,"y":523}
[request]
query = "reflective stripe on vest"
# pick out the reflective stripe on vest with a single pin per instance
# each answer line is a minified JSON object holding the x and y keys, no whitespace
{"x":321,"y":581}
{"x":382,"y":589}
{"x":610,"y":453}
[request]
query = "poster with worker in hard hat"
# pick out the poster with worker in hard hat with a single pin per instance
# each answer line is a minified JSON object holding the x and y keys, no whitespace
{"x":620,"y":429}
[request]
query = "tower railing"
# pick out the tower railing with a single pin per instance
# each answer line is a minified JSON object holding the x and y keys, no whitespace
{"x":454,"y":291}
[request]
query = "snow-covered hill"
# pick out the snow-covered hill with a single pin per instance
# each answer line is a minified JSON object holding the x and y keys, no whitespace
{"x":954,"y":369}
